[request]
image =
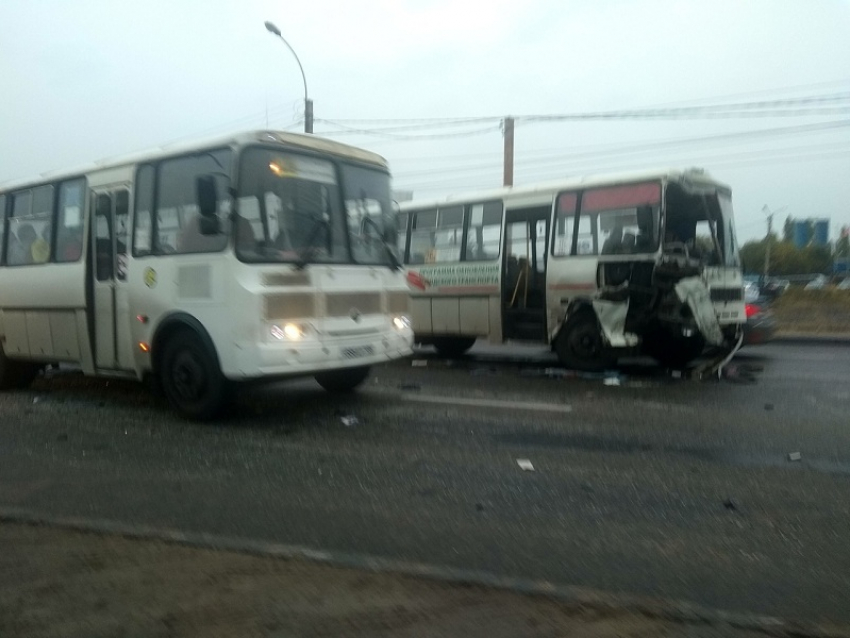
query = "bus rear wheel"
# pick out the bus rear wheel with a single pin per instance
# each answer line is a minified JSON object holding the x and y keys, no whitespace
{"x":580,"y":346}
{"x":190,"y":377}
{"x":345,"y":380}
{"x":15,"y":375}
{"x":453,"y":346}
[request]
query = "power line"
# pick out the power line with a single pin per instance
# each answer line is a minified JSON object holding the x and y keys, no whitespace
{"x":639,"y":147}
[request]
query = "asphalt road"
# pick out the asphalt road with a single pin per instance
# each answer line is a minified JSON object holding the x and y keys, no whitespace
{"x":656,"y":487}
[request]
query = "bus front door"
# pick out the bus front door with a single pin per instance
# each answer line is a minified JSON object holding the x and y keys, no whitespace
{"x":524,"y":273}
{"x":110,"y":300}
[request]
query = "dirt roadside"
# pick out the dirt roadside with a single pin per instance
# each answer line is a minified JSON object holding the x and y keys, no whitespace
{"x":56,"y":582}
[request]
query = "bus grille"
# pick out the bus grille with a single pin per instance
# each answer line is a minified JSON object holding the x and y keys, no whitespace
{"x":727,"y":294}
{"x":342,"y":304}
{"x":291,"y":306}
{"x":398,"y":303}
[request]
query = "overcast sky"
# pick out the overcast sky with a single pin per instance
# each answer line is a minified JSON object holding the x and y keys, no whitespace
{"x":90,"y":79}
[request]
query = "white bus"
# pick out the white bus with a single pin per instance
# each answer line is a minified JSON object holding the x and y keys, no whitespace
{"x":598,"y":267}
{"x":258,"y":256}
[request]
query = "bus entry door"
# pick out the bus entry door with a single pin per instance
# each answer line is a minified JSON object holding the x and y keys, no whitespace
{"x":110,"y":299}
{"x":524,"y":273}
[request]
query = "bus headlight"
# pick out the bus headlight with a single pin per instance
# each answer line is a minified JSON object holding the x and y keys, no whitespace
{"x":289,"y":332}
{"x":401,"y":322}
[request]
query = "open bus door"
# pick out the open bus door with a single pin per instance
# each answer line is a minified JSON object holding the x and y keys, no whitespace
{"x":524,"y":261}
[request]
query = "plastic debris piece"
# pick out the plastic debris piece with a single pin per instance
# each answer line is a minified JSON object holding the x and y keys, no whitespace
{"x":729,"y":504}
{"x":350,"y":421}
{"x":35,"y":399}
{"x":676,"y":374}
{"x":525,"y":465}
{"x":611,"y":381}
{"x":419,"y":363}
{"x":794,"y":456}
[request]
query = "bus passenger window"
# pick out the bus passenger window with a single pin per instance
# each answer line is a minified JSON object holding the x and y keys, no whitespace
{"x":422,"y":236}
{"x":564,"y":224}
{"x":69,"y":226}
{"x":485,"y":231}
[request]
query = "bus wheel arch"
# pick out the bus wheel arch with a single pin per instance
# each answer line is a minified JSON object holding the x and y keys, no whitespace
{"x":580,"y":344}
{"x":187,"y":368}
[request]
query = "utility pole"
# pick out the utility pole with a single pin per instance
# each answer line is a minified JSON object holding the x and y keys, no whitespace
{"x":508,"y":132}
{"x":767,"y":243}
{"x":769,"y":239}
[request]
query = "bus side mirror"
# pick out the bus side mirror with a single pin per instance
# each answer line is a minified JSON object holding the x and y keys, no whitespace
{"x":207,"y":195}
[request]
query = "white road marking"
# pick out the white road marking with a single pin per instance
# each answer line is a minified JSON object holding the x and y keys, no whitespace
{"x":489,"y":403}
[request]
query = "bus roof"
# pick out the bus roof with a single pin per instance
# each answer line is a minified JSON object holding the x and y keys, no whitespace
{"x":695,"y":175}
{"x":292,"y":140}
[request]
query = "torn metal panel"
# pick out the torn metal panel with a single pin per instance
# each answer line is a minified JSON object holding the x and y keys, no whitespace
{"x":612,"y":318}
{"x":694,"y":292}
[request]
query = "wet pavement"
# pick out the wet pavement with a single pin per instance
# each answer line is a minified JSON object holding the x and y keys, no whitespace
{"x":651,"y":486}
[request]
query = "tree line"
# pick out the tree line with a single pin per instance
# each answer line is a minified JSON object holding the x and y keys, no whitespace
{"x":787,"y":259}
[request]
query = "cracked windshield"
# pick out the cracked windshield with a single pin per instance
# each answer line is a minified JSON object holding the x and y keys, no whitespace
{"x":439,"y":318}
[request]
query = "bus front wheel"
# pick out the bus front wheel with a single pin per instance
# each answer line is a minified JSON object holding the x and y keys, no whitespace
{"x":190,"y":377}
{"x":15,"y":374}
{"x":342,"y":380}
{"x":580,"y":346}
{"x":453,"y":346}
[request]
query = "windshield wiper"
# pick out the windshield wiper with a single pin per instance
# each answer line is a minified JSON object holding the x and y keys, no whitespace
{"x":395,"y":264}
{"x":307,"y":251}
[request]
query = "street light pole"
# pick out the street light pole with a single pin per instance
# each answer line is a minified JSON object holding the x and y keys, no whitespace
{"x":308,"y":103}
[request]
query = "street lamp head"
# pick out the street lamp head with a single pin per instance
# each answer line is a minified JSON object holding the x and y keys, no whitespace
{"x":271,"y":28}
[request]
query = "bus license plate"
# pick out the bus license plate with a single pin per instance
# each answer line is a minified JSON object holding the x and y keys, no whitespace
{"x":358,"y":351}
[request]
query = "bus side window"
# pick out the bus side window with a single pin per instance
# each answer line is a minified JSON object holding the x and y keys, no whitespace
{"x":142,"y":220}
{"x":401,"y":236}
{"x":564,"y":222}
{"x":69,"y":226}
{"x":422,"y":236}
{"x":2,"y":228}
{"x":485,"y":231}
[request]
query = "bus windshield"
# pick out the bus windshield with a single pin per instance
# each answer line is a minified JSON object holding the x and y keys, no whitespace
{"x":289,"y":209}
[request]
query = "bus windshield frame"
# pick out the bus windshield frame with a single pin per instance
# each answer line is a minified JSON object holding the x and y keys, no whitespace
{"x":299,"y":208}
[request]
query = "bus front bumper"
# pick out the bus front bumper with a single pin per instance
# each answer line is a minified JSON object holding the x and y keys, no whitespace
{"x":310,"y":357}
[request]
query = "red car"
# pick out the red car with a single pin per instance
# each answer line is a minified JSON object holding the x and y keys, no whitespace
{"x":761,"y":325}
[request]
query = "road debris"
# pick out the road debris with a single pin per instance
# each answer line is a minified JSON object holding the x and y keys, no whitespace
{"x":795,"y":456}
{"x":768,"y":406}
{"x":611,"y":381}
{"x":730,"y":505}
{"x":409,"y":386}
{"x":419,"y":363}
{"x":483,"y":372}
{"x":525,"y":465}
{"x":350,"y":421}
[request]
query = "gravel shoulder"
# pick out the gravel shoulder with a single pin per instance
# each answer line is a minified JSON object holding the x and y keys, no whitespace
{"x":56,"y":582}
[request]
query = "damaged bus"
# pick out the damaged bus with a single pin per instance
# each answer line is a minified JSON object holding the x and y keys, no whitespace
{"x":597,"y":267}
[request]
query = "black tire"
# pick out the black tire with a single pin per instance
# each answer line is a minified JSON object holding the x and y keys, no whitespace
{"x":580,"y":345}
{"x":191,"y":378}
{"x":453,"y":346}
{"x":15,"y":375}
{"x":346,"y":380}
{"x":673,"y":351}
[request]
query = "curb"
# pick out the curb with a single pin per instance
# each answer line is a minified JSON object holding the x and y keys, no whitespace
{"x":800,"y":338}
{"x":670,"y":610}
